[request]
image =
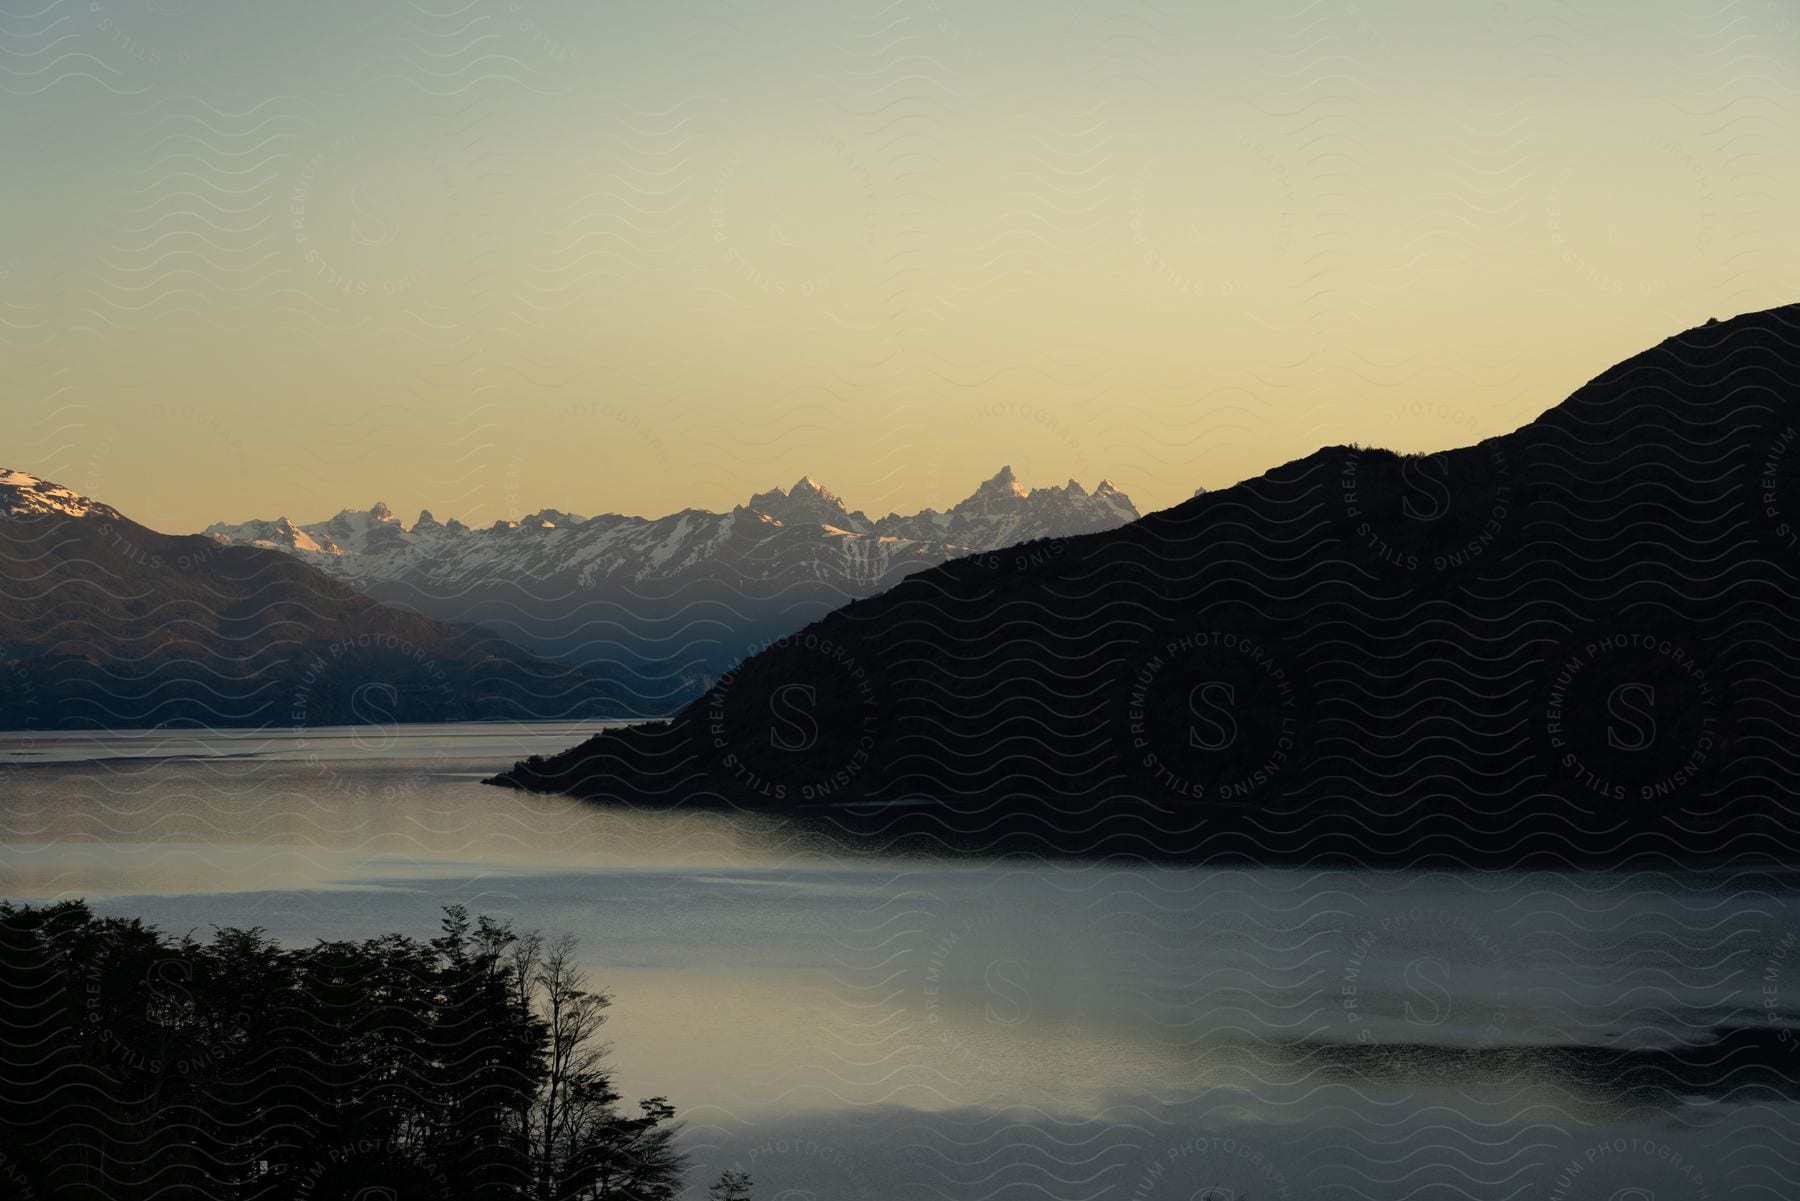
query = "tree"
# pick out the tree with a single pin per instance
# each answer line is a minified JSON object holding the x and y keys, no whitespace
{"x":136,"y":1065}
{"x":582,"y":1147}
{"x":730,"y":1186}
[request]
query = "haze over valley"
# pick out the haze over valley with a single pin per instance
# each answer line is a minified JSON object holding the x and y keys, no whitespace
{"x":789,"y":600}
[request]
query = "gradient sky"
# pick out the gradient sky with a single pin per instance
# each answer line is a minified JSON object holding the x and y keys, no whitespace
{"x":487,"y":256}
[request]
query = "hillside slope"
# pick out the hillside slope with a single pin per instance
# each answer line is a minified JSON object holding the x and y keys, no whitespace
{"x":107,"y":624}
{"x":1580,"y":640}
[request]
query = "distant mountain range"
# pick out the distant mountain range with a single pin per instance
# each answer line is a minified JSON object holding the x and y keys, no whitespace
{"x":1579,"y":641}
{"x":107,"y":624}
{"x":668,"y":604}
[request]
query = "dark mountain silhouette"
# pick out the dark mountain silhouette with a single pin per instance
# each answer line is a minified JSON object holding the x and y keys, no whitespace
{"x":107,"y":624}
{"x":1577,"y":641}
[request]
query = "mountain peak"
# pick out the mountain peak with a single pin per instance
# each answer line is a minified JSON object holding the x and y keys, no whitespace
{"x":550,"y":519}
{"x":808,"y":502}
{"x":1003,"y":483}
{"x":370,"y":545}
{"x":23,"y":495}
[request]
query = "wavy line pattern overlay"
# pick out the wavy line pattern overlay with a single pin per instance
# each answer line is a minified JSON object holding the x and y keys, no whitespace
{"x":1391,"y":824}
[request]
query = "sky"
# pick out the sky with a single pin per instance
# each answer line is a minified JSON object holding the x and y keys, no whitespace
{"x":490,"y":256}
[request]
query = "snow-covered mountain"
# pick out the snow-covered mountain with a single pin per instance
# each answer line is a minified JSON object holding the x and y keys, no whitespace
{"x":106,"y":624}
{"x":673,"y":600}
{"x":374,"y":545}
{"x":26,"y":497}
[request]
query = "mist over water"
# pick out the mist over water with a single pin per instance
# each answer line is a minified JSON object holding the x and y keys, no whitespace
{"x":848,"y":1024}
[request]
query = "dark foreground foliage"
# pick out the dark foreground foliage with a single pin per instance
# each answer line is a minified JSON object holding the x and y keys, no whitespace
{"x":136,"y":1065}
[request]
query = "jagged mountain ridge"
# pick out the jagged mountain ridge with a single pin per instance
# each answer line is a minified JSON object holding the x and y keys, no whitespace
{"x":105,"y":624}
{"x":1579,"y":641}
{"x":374,"y":545}
{"x":671,"y":602}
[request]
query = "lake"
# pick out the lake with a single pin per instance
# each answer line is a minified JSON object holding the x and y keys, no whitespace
{"x":846,"y":1024}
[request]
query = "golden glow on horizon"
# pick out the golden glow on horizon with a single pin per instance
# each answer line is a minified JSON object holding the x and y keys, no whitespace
{"x":552,"y":254}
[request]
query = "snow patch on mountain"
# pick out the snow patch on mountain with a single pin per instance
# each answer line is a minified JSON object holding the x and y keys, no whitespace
{"x":806,"y":531}
{"x":27,"y":497}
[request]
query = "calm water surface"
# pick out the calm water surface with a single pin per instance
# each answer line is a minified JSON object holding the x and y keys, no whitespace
{"x":852,"y":1025}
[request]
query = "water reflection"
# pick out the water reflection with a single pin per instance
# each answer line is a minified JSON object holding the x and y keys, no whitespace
{"x":851,"y":1024}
